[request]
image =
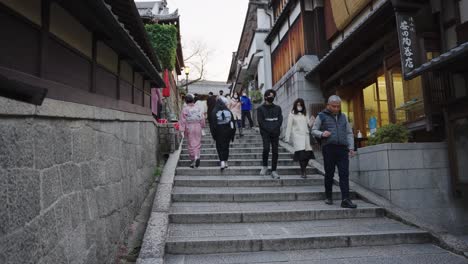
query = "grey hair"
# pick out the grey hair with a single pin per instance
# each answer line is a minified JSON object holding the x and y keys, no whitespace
{"x":334,"y":99}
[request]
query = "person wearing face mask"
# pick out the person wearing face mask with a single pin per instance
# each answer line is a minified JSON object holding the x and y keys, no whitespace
{"x":297,"y":132}
{"x":246,"y":108}
{"x":337,"y":140}
{"x":270,"y":119}
{"x":235,"y":107}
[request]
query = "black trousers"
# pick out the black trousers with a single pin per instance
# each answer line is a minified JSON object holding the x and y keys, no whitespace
{"x":336,"y":156}
{"x":272,"y":139}
{"x":222,"y":147}
{"x":246,"y":114}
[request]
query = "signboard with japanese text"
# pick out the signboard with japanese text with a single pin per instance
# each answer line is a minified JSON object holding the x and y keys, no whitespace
{"x":407,"y":42}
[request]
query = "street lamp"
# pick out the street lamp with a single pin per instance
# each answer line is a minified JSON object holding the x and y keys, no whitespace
{"x":187,"y":72}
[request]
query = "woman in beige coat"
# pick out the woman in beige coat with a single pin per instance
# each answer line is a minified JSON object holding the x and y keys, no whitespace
{"x":297,"y":132}
{"x":235,"y":107}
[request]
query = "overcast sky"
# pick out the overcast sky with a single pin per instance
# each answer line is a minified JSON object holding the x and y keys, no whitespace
{"x":216,"y":23}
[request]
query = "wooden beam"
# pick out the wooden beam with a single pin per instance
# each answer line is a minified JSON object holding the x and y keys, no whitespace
{"x":118,"y":77}
{"x":43,"y":42}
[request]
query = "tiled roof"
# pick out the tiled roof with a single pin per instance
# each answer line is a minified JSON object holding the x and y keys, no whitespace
{"x":443,"y":60}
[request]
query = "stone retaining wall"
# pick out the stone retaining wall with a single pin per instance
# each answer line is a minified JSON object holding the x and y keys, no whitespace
{"x":72,"y":178}
{"x":415,"y":177}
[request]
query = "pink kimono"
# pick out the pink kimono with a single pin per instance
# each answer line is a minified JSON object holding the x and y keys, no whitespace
{"x":191,"y":123}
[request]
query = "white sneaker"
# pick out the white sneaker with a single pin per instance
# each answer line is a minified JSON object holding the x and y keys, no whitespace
{"x":275,"y":175}
{"x":223,"y":165}
{"x":264,"y":171}
{"x":226,"y":164}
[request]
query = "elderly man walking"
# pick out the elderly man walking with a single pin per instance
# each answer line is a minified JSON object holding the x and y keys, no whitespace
{"x":333,"y":128}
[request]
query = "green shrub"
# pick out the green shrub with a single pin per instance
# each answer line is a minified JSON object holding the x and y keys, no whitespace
{"x":157,"y":173}
{"x":391,"y":133}
{"x":256,"y":96}
{"x":163,"y":38}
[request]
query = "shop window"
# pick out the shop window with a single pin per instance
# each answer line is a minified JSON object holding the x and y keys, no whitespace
{"x":375,"y":105}
{"x":408,"y":100}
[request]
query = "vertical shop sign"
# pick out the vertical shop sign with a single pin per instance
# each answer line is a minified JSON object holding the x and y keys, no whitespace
{"x":407,"y":40}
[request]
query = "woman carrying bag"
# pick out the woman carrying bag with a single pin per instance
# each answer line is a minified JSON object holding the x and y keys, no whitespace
{"x":297,"y":132}
{"x":222,"y":129}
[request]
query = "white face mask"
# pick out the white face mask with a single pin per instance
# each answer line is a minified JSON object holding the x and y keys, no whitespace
{"x":299,"y":108}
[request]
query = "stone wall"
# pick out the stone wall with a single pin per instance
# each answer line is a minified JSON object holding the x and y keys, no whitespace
{"x":72,"y":178}
{"x":170,"y":139}
{"x":413,"y":176}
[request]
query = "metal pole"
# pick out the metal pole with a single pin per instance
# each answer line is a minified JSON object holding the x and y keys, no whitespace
{"x":186,"y":84}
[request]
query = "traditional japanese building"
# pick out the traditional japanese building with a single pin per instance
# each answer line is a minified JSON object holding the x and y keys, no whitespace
{"x":296,"y":40}
{"x":78,"y":143}
{"x":402,"y":62}
{"x":157,"y":12}
{"x":251,"y":63}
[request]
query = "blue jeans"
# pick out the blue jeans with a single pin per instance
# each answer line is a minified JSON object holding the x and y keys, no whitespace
{"x":336,"y":156}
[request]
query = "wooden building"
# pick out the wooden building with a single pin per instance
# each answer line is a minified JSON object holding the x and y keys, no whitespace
{"x":400,"y":62}
{"x":60,"y":49}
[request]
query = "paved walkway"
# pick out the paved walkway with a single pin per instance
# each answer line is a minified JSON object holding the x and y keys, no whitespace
{"x":236,"y":216}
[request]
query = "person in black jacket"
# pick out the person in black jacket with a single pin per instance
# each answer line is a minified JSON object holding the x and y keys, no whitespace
{"x":222,"y":129}
{"x":270,"y":118}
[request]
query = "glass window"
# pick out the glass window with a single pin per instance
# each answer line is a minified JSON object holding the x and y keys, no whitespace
{"x":408,"y":95}
{"x":376,"y":105}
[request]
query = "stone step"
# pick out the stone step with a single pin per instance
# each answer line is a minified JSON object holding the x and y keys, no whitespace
{"x":237,"y":170}
{"x":239,"y":162}
{"x":238,"y":156}
{"x":246,"y":181}
{"x":252,"y":194}
{"x":242,"y":140}
{"x":211,"y":212}
{"x":233,"y":150}
{"x":235,"y":144}
{"x":280,"y":236}
{"x":403,"y":254}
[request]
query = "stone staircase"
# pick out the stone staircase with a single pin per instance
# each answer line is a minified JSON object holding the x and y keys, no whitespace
{"x":237,"y":216}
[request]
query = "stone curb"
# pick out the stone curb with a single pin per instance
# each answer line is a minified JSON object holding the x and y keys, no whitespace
{"x":153,"y":246}
{"x":441,"y":235}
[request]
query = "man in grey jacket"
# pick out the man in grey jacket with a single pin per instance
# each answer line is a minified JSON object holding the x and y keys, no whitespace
{"x":337,"y":140}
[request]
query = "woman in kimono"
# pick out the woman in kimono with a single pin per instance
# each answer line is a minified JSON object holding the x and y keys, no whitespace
{"x":235,"y":107}
{"x":222,"y":129}
{"x":191,"y":124}
{"x":297,"y":132}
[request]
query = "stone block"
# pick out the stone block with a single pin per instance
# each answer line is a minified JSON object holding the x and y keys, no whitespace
{"x":71,"y":178}
{"x":104,"y":203}
{"x":63,"y":143}
{"x":155,"y":236}
{"x":91,"y":207}
{"x":23,"y":245}
{"x":405,"y":159}
{"x":51,"y":188}
{"x":373,"y":161}
{"x":63,"y":217}
{"x":17,"y":145}
{"x":44,"y":143}
{"x":113,"y":171}
{"x":418,"y":198}
{"x":23,"y":197}
{"x":162,"y":200}
{"x":84,"y":144}
{"x":412,"y":179}
{"x":3,"y":203}
{"x":48,"y":237}
{"x":435,"y":158}
{"x":13,"y":107}
{"x":56,"y":108}
{"x":379,"y":179}
{"x":56,"y":256}
{"x":76,"y":209}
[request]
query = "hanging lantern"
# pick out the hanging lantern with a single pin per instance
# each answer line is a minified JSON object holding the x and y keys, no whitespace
{"x":166,"y":90}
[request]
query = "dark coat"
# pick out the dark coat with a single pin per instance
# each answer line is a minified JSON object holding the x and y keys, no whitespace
{"x":269,"y":119}
{"x":224,"y":131}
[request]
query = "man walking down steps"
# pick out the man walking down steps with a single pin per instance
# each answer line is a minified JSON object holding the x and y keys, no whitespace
{"x":238,"y":216}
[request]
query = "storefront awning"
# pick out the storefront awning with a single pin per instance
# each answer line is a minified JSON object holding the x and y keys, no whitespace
{"x":454,"y":60}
